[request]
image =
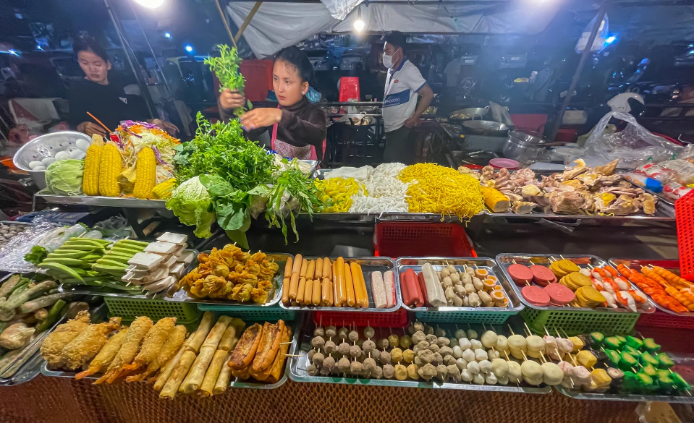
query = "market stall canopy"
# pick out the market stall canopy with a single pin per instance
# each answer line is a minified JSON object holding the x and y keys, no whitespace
{"x":279,"y":25}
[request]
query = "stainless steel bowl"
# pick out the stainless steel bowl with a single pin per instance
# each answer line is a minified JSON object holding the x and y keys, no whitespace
{"x":524,"y":147}
{"x":469,"y":113}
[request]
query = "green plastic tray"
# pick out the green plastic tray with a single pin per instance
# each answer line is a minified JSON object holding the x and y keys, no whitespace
{"x":487,"y":317}
{"x":259,"y":313}
{"x":130,"y":308}
{"x":578,"y":322}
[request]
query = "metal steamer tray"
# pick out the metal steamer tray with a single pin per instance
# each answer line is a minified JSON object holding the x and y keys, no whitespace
{"x":507,"y":259}
{"x":368,"y":265}
{"x":298,"y":366}
{"x":180,"y":295}
{"x":684,"y":365}
{"x":671,"y":265}
{"x":234,"y":383}
{"x":415,"y":263}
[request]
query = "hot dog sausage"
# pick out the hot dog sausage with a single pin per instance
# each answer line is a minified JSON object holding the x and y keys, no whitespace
{"x":340,"y":289}
{"x":296,"y":274}
{"x":378,"y":290}
{"x":349,"y":286}
{"x":389,"y":284}
{"x":326,"y":293}
{"x":359,"y":286}
{"x":422,"y":287}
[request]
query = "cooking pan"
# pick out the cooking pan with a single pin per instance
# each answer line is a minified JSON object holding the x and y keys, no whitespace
{"x":485,"y":127}
{"x":470,"y":112}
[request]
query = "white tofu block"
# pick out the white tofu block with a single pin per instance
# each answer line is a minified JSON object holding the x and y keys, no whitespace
{"x":177,"y":270}
{"x":186,"y":257}
{"x":171,"y":261}
{"x":146,"y":260}
{"x":160,"y":273}
{"x":163,"y":248}
{"x":173,"y":238}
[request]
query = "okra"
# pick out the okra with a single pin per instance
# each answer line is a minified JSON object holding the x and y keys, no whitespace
{"x":60,"y":269}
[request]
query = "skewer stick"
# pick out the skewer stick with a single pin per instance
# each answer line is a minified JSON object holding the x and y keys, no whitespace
{"x":542,"y":356}
{"x":511,"y":329}
{"x":527,"y":328}
{"x":525,"y":358}
{"x":99,"y":122}
{"x":573,"y":359}
{"x":546,"y":331}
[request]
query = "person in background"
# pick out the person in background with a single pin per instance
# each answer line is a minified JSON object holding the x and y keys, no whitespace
{"x":453,"y":71}
{"x":99,"y":96}
{"x":404,"y":84}
{"x":298,"y":127}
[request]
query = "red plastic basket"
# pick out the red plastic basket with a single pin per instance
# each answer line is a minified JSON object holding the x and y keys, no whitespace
{"x":396,"y":319}
{"x":665,"y":320}
{"x":398,"y":239}
{"x":684,"y":214}
{"x":672,"y":340}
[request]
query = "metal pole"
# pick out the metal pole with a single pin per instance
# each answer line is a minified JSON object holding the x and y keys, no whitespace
{"x":226,"y":25}
{"x":151,"y":50}
{"x":126,"y":49}
{"x":256,"y":6}
{"x":554,"y":128}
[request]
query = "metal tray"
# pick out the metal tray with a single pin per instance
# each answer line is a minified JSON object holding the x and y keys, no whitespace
{"x":415,"y":263}
{"x":234,"y":383}
{"x":507,"y":259}
{"x":182,"y":296}
{"x":368,"y":265}
{"x":671,"y":265}
{"x":298,"y":365}
{"x":97,"y":200}
{"x":684,"y":365}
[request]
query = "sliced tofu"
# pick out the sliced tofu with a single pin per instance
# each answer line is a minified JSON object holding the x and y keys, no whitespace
{"x":146,"y":260}
{"x":186,"y":257}
{"x":132,"y":278}
{"x":160,"y":285}
{"x":173,"y":238}
{"x":163,"y":248}
{"x":177,"y":270}
{"x":180,"y":250}
{"x":171,"y":261}
{"x":160,"y":273}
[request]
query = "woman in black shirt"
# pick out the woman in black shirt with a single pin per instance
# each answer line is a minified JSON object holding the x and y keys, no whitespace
{"x":97,"y":95}
{"x":297,"y":127}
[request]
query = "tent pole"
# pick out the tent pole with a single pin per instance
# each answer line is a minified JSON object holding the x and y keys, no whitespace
{"x":226,"y":24}
{"x":256,"y":6}
{"x":556,"y":123}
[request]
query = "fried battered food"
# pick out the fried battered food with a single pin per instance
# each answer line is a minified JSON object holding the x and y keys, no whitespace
{"x":128,"y":351}
{"x":245,"y":349}
{"x":54,"y":343}
{"x":231,"y":274}
{"x":81,"y":350}
{"x":268,"y":346}
{"x":106,"y":355}
{"x":173,"y":342}
{"x":152,"y":344}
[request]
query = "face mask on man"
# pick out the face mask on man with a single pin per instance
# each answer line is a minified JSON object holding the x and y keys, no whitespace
{"x":387,"y":61}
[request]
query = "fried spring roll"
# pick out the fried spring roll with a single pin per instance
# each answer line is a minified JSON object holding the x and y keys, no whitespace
{"x":212,"y":374}
{"x":177,"y":376}
{"x":216,"y":333}
{"x":198,"y":337}
{"x":196,"y":374}
{"x":168,"y":369}
{"x":227,"y":339}
{"x":222,"y":380}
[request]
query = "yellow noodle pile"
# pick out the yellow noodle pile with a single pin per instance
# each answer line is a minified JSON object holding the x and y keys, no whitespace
{"x":337,"y":193}
{"x":437,"y":189}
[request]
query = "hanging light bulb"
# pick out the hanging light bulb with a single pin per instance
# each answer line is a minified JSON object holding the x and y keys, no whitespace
{"x":359,"y":23}
{"x":151,"y":4}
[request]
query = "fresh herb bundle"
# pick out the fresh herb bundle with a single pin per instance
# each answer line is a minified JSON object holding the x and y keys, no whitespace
{"x":226,"y":67}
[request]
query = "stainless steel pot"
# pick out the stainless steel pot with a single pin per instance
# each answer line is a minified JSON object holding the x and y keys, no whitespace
{"x":524,"y":147}
{"x":485,"y":127}
{"x":469,"y":113}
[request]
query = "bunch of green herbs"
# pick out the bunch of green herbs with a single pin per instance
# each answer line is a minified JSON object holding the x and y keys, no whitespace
{"x":226,"y":67}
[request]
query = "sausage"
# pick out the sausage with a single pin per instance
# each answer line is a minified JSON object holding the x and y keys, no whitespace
{"x":288,"y":268}
{"x":327,"y":269}
{"x":359,"y":286}
{"x":294,"y":282}
{"x":339,"y":278}
{"x":415,"y":298}
{"x":317,"y":288}
{"x":285,"y":290}
{"x":378,"y":290}
{"x":418,"y":290}
{"x":349,"y":286}
{"x":319,"y":270}
{"x":389,"y":285}
{"x":301,"y":291}
{"x":308,"y":292}
{"x":326,"y":293}
{"x":432,"y":286}
{"x":423,"y":287}
{"x":404,"y":290}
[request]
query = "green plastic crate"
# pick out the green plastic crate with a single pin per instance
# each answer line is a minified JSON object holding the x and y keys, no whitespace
{"x":578,"y":322}
{"x":130,"y":308}
{"x":487,"y":317}
{"x":251,"y":313}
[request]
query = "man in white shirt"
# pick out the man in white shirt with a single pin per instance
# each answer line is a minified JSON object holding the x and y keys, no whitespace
{"x":404,"y":84}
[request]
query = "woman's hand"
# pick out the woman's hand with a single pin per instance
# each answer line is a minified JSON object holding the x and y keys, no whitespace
{"x":231,"y":99}
{"x":169,"y":127}
{"x":91,"y":128}
{"x":259,"y":118}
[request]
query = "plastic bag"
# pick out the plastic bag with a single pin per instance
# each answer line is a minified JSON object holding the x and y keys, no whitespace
{"x":633,"y":146}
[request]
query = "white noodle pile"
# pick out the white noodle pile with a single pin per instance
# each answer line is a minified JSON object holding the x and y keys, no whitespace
{"x":386,"y":192}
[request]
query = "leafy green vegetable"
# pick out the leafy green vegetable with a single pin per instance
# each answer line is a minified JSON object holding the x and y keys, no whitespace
{"x":64,"y":177}
{"x":226,"y":67}
{"x":36,"y":255}
{"x":192,"y":204}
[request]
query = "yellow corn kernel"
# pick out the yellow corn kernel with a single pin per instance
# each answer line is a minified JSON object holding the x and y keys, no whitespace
{"x":146,"y":173}
{"x":164,"y":189}
{"x":110,"y":166}
{"x":90,"y":181}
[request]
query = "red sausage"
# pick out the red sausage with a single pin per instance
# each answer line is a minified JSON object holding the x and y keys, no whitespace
{"x":406,"y":296}
{"x":422,"y":287}
{"x":413,"y":288}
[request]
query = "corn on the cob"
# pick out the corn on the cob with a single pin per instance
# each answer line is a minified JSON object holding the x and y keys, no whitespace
{"x":110,"y":167}
{"x":90,"y":181}
{"x":163,"y":190}
{"x":146,"y":173}
{"x":495,"y":200}
{"x":127,"y":180}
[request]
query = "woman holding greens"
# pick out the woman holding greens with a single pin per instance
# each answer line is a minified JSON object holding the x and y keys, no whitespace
{"x":297,"y":128}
